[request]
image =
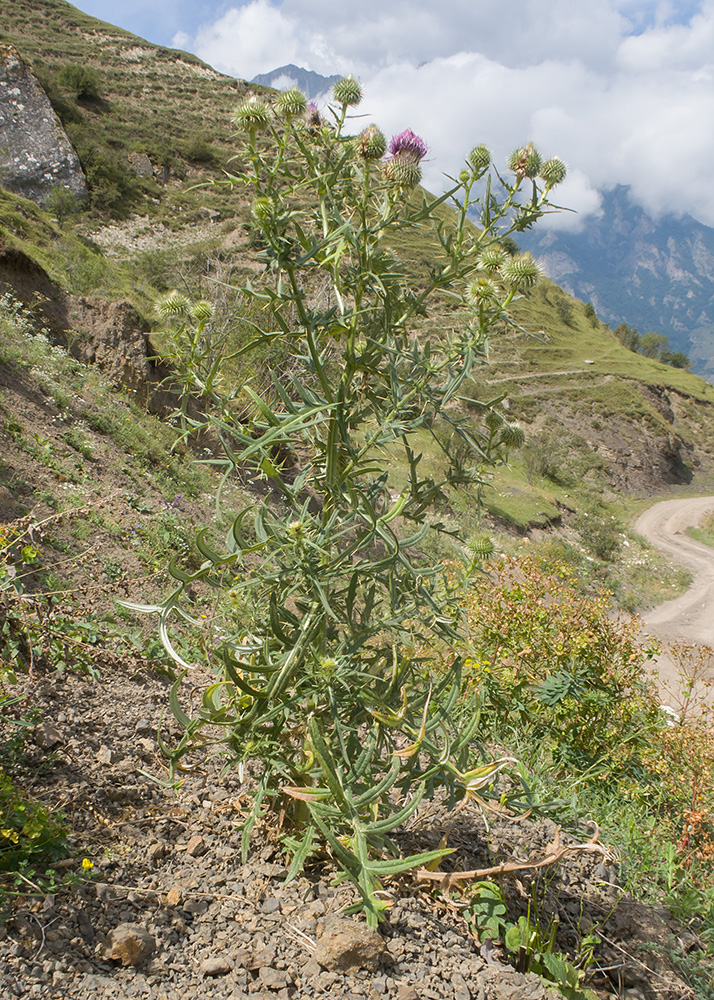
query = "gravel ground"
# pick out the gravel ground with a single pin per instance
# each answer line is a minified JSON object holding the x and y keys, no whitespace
{"x":201,"y":924}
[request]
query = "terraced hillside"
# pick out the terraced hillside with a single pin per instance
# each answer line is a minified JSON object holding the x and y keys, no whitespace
{"x":604,"y":425}
{"x":161,"y":102}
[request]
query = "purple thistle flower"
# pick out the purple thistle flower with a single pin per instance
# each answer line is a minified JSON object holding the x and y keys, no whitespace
{"x":408,"y":142}
{"x":313,"y":115}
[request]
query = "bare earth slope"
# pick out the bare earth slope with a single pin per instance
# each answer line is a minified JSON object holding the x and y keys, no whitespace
{"x":689,"y":618}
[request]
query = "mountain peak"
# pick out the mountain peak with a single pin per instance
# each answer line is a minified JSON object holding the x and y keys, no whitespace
{"x":285,"y":77}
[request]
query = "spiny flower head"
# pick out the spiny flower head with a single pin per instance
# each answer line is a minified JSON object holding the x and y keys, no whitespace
{"x":173,"y":304}
{"x":262,"y":209}
{"x":291,"y":103}
{"x":403,"y":171}
{"x":408,"y":142}
{"x":253,"y":113}
{"x":523,"y":272}
{"x":372,"y":145}
{"x":512,"y":435}
{"x":526,"y":161}
{"x":493,"y":420}
{"x":480,"y":159}
{"x":482,"y":292}
{"x":296,"y":531}
{"x":491,"y":259}
{"x":481,"y":547}
{"x":553,"y":171}
{"x":312,"y":115}
{"x":202,"y":311}
{"x":328,"y":665}
{"x":347,"y":91}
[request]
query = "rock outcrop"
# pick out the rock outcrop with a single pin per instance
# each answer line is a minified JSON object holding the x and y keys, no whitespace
{"x":110,"y":335}
{"x":35,"y":152}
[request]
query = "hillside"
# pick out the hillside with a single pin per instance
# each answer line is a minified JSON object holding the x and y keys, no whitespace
{"x":544,"y":705}
{"x":654,"y":274}
{"x":150,"y":100}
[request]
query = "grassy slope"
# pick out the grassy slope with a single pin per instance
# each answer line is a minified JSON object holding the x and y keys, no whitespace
{"x":568,"y":373}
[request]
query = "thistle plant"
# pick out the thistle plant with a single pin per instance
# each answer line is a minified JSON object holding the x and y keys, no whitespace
{"x":339,"y":643}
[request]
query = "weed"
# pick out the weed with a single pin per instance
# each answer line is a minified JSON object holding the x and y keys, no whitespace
{"x":77,"y":440}
{"x":335,"y":662}
{"x":530,"y":940}
{"x":27,"y":830}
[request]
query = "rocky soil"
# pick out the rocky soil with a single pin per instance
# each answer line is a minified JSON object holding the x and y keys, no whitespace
{"x":169,"y":911}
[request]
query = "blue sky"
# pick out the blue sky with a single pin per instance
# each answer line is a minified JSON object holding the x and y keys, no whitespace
{"x":623,"y":90}
{"x":156,"y":20}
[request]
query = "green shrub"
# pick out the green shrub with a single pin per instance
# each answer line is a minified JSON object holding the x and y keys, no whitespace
{"x":113,"y":187}
{"x":676,"y":359}
{"x":83,"y":81}
{"x":546,"y":455}
{"x":556,"y":666}
{"x":62,"y":203}
{"x":198,"y":150}
{"x":601,"y":535}
{"x":628,"y":336}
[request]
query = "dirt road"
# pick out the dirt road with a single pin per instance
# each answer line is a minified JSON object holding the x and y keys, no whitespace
{"x":689,"y":618}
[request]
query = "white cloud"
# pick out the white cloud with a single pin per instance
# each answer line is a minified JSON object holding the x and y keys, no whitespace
{"x":248,"y":40}
{"x":283,"y":82}
{"x":620,"y":89}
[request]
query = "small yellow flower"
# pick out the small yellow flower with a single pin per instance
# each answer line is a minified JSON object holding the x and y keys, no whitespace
{"x":87,"y":864}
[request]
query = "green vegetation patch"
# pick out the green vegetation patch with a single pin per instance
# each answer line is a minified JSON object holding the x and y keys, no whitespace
{"x":705,"y":530}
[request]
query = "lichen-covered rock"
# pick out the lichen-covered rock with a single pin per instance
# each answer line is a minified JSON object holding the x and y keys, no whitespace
{"x":347,"y":946}
{"x":140,"y":164}
{"x":130,"y":944}
{"x":35,"y":152}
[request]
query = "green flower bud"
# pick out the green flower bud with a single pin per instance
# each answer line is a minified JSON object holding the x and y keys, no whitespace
{"x":493,"y":420}
{"x":464,"y":176}
{"x":371,"y":144}
{"x":173,"y":304}
{"x":403,"y":171}
{"x":526,"y":161}
{"x":480,"y":159}
{"x":490,"y":260}
{"x":253,"y":113}
{"x":202,"y":311}
{"x":296,"y":531}
{"x":481,"y":547}
{"x":262,"y":209}
{"x":482,"y":292}
{"x":328,"y":665}
{"x":553,"y":171}
{"x":512,"y":435}
{"x":523,"y":272}
{"x":347,"y":91}
{"x":291,"y":103}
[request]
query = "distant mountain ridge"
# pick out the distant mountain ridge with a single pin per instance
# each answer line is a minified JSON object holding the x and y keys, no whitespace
{"x":311,"y":84}
{"x":655,"y":274}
